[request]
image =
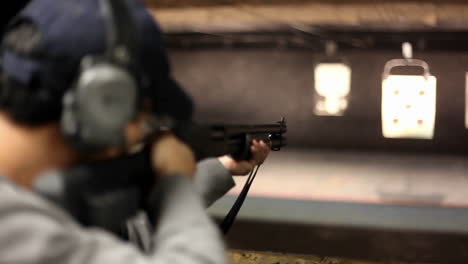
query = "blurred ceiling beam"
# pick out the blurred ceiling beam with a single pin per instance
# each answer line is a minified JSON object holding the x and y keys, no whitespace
{"x":236,"y":16}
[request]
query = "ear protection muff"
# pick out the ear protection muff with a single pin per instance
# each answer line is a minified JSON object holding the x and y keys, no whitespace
{"x":104,"y":97}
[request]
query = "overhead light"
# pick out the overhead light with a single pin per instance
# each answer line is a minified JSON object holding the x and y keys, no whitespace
{"x":408,"y":101}
{"x":332,"y":85}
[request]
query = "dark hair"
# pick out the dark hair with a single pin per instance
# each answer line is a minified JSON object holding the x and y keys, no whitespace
{"x":31,"y":103}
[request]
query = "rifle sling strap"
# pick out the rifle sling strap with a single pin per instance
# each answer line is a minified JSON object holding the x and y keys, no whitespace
{"x":226,"y":224}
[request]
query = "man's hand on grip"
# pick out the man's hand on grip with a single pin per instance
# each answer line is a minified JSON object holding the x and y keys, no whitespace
{"x":259,"y":150}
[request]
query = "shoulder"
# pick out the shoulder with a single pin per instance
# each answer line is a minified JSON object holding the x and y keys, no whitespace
{"x":32,"y":230}
{"x":16,"y":201}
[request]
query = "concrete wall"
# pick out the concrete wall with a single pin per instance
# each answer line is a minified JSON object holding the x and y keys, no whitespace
{"x":261,"y":85}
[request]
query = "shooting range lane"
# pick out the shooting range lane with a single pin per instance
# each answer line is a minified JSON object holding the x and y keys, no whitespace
{"x":375,"y":206}
{"x":365,"y":196}
{"x":399,"y":191}
{"x":364,"y":177}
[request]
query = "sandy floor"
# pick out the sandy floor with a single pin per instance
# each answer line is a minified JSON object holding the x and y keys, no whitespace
{"x":243,"y":257}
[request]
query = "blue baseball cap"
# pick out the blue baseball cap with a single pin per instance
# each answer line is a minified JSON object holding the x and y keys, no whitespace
{"x":68,"y":30}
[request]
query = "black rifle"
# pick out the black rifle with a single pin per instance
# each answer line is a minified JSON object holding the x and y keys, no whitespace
{"x":107,"y":193}
{"x":217,"y":140}
{"x":213,"y":140}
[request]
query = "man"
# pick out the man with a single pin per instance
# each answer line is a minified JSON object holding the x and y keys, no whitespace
{"x":40,"y":58}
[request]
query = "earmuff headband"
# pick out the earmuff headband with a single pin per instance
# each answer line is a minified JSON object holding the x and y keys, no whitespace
{"x":121,"y":32}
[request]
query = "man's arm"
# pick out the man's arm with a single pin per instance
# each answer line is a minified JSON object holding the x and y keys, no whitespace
{"x":213,"y":178}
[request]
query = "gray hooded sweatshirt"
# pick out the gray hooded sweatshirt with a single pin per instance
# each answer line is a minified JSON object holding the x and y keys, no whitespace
{"x":32,"y":230}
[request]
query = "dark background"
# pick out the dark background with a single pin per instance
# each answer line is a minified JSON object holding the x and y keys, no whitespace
{"x":9,"y":10}
{"x":261,"y":85}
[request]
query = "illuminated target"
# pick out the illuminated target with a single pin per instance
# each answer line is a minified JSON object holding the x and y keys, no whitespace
{"x":332,"y":84}
{"x":408,"y":106}
{"x":408,"y":101}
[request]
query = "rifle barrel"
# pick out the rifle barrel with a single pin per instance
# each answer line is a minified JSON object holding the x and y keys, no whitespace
{"x":232,"y":130}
